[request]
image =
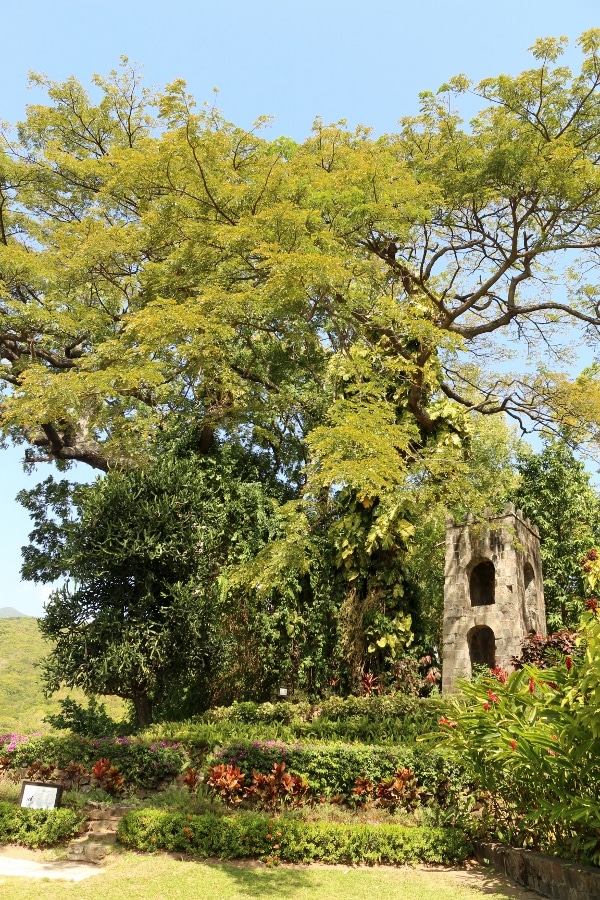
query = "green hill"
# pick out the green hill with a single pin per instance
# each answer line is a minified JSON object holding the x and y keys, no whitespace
{"x":22,"y":702}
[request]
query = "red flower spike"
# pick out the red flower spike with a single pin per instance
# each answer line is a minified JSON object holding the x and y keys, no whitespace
{"x":513,"y":745}
{"x":486,"y":706}
{"x":568,"y":663}
{"x":531,"y":685}
{"x":493,"y":697}
{"x":445,"y":721}
{"x":499,"y":673}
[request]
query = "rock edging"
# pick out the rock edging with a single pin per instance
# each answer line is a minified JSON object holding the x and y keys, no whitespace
{"x":551,"y":877}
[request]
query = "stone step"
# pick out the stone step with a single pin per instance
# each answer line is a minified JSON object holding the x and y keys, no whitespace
{"x":86,"y":851}
{"x":103,"y":826}
{"x":108,"y":812}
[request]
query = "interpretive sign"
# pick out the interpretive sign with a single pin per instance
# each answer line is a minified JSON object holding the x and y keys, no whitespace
{"x":39,"y":795}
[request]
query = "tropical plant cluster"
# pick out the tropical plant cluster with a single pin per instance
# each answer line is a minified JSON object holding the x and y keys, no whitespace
{"x":531,"y":743}
{"x":281,"y":789}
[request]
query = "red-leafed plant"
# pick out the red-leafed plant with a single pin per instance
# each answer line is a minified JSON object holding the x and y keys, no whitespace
{"x":399,"y":791}
{"x":545,"y":651}
{"x":108,"y":777}
{"x":40,"y":770}
{"x":191,"y":780}
{"x":363,"y":791}
{"x":369,"y":684}
{"x":229,"y":783}
{"x":278,"y":788}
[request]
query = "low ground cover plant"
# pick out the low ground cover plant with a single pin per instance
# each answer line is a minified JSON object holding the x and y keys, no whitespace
{"x":37,"y":827}
{"x":248,"y":835}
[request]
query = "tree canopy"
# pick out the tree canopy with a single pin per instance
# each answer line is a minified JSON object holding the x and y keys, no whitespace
{"x":341,"y":301}
{"x":555,"y":492}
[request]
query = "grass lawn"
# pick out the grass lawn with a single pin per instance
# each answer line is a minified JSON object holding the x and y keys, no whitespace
{"x":161,"y":877}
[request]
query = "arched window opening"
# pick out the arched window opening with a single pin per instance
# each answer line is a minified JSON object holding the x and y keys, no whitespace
{"x":530,"y":610}
{"x":482,"y":584}
{"x":482,"y":646}
{"x":529,"y":579}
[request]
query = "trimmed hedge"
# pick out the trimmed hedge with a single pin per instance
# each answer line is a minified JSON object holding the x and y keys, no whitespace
{"x":332,"y":769}
{"x":248,"y":835}
{"x":37,"y":827}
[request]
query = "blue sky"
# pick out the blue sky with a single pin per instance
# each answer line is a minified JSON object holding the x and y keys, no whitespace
{"x":359,"y":61}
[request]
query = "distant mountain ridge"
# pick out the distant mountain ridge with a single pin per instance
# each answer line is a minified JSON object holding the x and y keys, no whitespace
{"x":9,"y":612}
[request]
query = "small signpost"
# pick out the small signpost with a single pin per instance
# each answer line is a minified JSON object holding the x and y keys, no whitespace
{"x":283,"y":692}
{"x":40,"y":795}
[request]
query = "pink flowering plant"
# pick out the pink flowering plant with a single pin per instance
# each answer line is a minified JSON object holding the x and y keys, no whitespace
{"x":532,"y":744}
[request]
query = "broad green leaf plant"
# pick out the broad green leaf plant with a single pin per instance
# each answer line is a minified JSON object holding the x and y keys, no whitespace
{"x":532,"y":742}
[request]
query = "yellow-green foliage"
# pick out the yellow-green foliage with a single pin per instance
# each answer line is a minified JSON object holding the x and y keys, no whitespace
{"x":155,"y":255}
{"x":22,"y":703}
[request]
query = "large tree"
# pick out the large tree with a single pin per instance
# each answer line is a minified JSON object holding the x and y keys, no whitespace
{"x":344,"y":306}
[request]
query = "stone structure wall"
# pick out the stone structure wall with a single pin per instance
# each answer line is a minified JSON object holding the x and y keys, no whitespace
{"x":549,"y":876}
{"x":493,"y":594}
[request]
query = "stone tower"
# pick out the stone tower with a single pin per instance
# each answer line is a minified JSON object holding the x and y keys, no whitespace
{"x":493,"y":593}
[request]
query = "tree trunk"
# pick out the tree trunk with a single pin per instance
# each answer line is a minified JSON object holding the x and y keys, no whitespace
{"x":143,"y":710}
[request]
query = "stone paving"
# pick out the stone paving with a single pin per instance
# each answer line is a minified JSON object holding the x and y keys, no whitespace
{"x":17,"y":861}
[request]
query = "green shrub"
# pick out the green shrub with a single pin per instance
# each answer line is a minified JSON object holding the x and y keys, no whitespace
{"x":249,"y":835}
{"x":37,"y":827}
{"x":386,"y":719}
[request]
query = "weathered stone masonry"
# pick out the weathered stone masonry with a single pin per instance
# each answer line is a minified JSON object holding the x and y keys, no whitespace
{"x":493,"y":594}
